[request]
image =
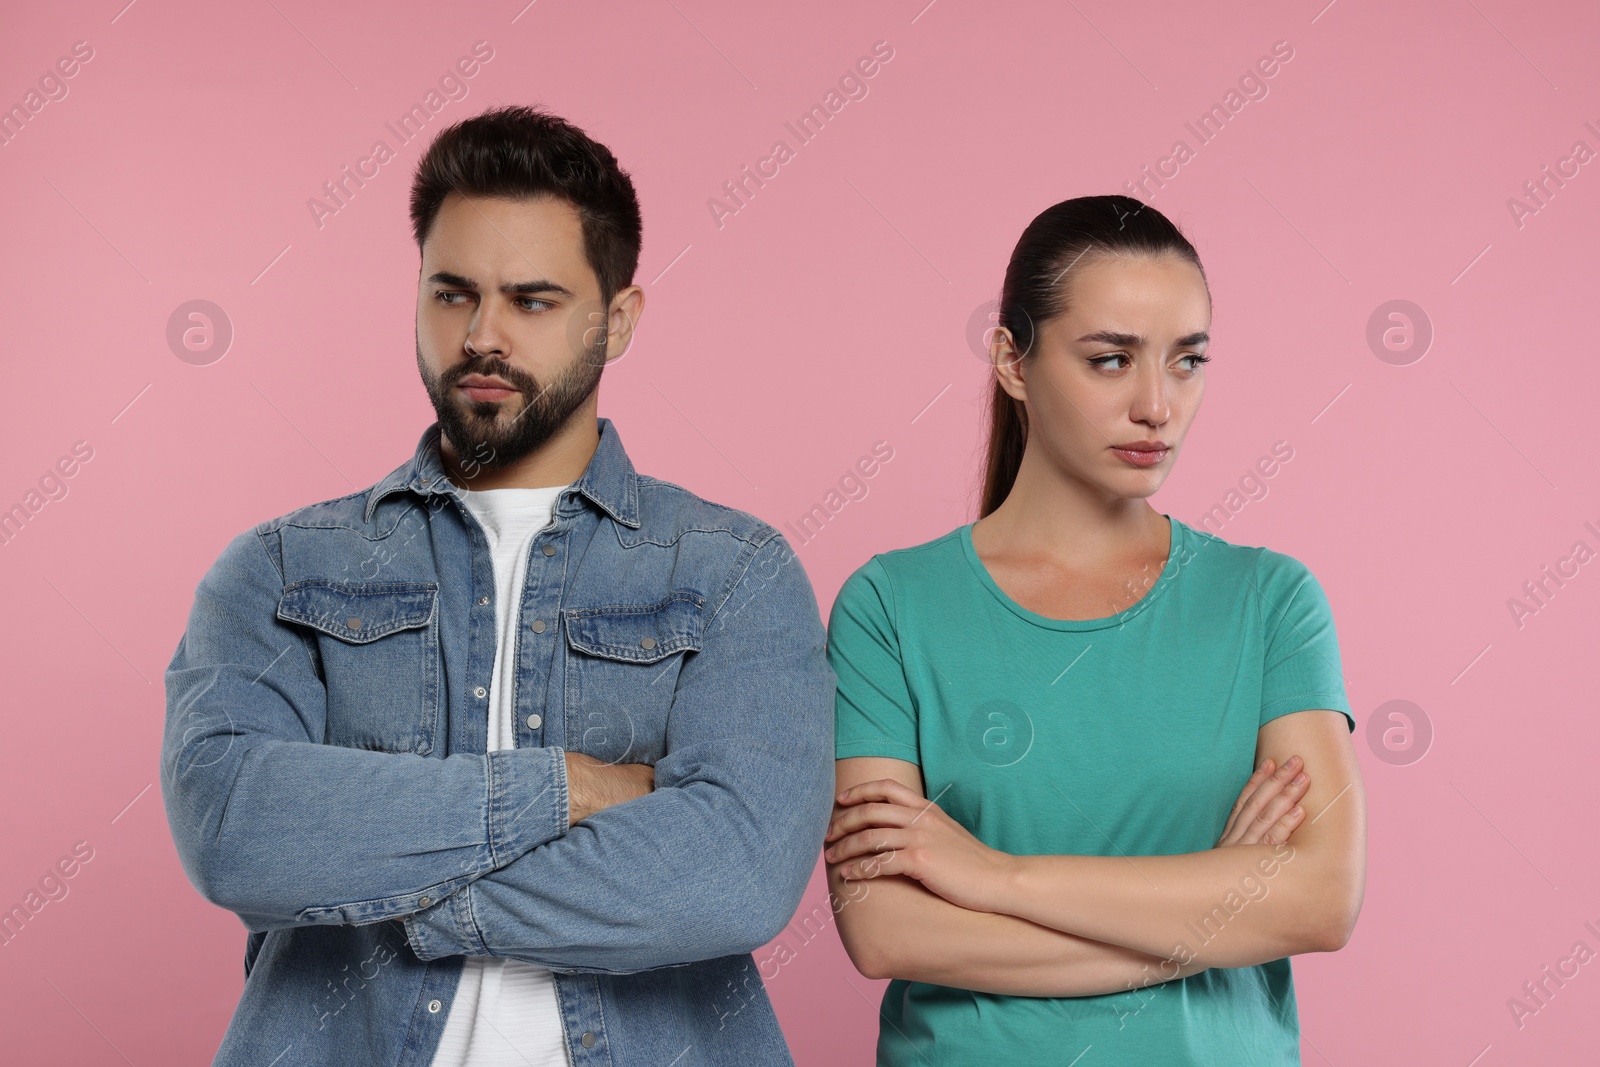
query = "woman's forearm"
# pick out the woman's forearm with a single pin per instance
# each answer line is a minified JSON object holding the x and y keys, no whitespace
{"x":893,"y":927}
{"x":1232,"y":906}
{"x":1235,"y":905}
{"x":1226,"y":907}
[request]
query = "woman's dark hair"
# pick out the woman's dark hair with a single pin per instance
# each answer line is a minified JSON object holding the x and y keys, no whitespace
{"x":1065,"y":235}
{"x":521,"y":152}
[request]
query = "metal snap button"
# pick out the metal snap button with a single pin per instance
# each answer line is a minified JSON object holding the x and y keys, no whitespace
{"x":479,"y":692}
{"x":588,"y":1039}
{"x":648,"y":642}
{"x":549,"y":550}
{"x":434,"y":1005}
{"x":424,"y":902}
{"x":535,"y":721}
{"x":483,"y":600}
{"x":537,"y":626}
{"x":353,"y":622}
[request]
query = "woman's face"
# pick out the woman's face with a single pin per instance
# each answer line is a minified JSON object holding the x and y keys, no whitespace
{"x":1119,"y":368}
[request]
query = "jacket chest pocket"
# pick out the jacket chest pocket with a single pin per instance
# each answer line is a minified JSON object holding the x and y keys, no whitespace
{"x":622,"y":671}
{"x":378,"y":647}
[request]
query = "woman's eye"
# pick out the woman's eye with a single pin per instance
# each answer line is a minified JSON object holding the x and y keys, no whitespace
{"x":1100,"y":361}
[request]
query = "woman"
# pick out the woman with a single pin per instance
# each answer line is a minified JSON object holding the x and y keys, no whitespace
{"x":1043,"y":715}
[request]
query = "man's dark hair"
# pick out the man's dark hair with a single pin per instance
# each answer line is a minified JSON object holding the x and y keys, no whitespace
{"x":521,"y":152}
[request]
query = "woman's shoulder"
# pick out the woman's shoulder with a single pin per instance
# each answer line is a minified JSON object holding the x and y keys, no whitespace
{"x":912,"y":560}
{"x":901,"y":570}
{"x":1251,"y":559}
{"x":1269,"y":572}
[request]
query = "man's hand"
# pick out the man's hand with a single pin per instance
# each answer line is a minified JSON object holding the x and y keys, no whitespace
{"x":1266,"y":811}
{"x":594,"y":785}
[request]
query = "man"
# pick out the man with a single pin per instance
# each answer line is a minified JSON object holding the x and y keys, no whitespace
{"x":515,"y":756}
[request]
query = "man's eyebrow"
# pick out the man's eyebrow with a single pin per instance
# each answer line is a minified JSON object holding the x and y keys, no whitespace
{"x":1133,"y":340}
{"x":540,"y":285}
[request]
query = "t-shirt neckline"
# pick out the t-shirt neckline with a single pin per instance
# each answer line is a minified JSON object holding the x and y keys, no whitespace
{"x":1168,"y":574}
{"x":511,"y":498}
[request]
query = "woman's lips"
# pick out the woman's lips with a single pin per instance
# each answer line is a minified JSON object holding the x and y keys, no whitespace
{"x":1142,"y":459}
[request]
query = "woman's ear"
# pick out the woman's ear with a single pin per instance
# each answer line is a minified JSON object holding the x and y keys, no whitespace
{"x":1007,"y":363}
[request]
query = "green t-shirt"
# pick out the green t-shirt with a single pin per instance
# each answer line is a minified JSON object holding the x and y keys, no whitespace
{"x":1129,"y":734}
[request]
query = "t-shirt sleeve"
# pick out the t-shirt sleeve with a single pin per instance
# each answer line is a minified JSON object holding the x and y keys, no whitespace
{"x":1301,"y":669}
{"x":873,"y":711}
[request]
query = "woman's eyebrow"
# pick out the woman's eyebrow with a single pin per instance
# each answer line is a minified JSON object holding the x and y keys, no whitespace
{"x":1134,"y":340}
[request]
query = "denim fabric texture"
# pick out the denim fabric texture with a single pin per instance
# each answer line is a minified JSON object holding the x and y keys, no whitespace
{"x":325,"y":773}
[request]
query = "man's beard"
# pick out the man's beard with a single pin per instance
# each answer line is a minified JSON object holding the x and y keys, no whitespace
{"x":492,"y":434}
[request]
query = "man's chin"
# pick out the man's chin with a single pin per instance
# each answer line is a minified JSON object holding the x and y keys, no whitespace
{"x":494,"y":442}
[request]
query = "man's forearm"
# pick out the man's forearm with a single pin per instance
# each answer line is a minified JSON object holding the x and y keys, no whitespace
{"x":594,"y":785}
{"x":678,"y":875}
{"x":286,"y":834}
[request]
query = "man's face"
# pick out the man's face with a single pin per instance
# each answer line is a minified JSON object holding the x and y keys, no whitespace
{"x":505,"y":296}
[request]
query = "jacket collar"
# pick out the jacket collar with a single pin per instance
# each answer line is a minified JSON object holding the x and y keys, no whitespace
{"x":609,"y":481}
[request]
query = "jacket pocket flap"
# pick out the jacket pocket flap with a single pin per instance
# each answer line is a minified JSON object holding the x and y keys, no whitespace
{"x":358,"y":612}
{"x":643,"y":634}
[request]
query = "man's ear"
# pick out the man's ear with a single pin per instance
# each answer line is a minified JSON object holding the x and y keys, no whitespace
{"x":621,"y":320}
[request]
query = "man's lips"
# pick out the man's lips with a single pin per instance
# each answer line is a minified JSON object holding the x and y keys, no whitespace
{"x":481,"y":387}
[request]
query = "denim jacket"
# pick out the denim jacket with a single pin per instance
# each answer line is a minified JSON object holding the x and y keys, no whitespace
{"x":325,"y":772}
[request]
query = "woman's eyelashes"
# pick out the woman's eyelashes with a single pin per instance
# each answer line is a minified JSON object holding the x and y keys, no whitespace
{"x":1101,"y":361}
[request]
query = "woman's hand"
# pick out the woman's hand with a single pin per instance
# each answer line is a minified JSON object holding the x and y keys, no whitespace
{"x":1267,"y":811}
{"x":885,"y":827}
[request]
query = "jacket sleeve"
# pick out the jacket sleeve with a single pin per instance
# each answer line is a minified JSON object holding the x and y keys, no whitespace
{"x":712,"y":862}
{"x":284,"y":830}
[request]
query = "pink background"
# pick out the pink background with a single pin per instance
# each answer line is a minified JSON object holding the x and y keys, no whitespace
{"x":832,"y":311}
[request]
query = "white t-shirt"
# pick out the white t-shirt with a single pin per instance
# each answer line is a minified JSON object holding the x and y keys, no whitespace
{"x":505,"y":1012}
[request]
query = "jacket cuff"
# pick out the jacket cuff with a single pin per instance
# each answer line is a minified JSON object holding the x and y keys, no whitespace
{"x":443,"y":930}
{"x":527,"y":806}
{"x":527,"y":802}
